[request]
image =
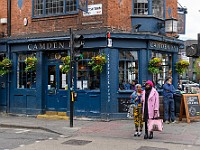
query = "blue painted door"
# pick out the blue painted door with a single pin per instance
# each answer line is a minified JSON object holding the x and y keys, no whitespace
{"x":56,"y":88}
{"x":3,"y":93}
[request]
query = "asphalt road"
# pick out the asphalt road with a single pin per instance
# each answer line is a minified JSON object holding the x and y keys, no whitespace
{"x":11,"y":138}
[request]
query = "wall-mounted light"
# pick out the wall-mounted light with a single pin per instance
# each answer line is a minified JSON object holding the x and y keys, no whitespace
{"x":171,"y":25}
{"x":136,"y":27}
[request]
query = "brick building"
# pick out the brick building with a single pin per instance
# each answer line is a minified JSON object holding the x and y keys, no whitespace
{"x":40,"y":28}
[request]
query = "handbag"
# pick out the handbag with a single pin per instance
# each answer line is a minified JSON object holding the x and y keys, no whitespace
{"x":155,"y":125}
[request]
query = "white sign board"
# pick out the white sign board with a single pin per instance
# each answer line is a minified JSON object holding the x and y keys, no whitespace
{"x":95,"y":9}
{"x":109,"y":42}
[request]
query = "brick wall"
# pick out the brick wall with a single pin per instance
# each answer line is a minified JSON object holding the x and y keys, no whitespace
{"x":120,"y":12}
{"x":3,"y":14}
{"x":171,"y":4}
{"x":116,"y":14}
{"x":51,"y":24}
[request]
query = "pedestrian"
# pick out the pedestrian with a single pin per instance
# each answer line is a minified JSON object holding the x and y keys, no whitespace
{"x":133,"y":85}
{"x":137,"y":109}
{"x":150,"y":99}
{"x":168,"y":101}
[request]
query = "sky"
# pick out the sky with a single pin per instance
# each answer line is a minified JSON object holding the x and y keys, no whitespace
{"x":192,"y":19}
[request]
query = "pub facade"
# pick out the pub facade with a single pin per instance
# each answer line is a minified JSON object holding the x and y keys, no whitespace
{"x":128,"y":49}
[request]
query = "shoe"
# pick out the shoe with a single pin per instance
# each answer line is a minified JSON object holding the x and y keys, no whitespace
{"x":136,"y":134}
{"x":139,"y":133}
{"x":151,"y":135}
{"x":174,"y":121}
{"x":146,"y":136}
{"x":167,"y":122}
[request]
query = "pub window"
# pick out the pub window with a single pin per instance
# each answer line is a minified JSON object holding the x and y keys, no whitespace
{"x":25,"y":79}
{"x":157,"y":8}
{"x":141,"y":7}
{"x":54,"y":7}
{"x":63,"y":78}
{"x":166,"y":68}
{"x":2,"y":56}
{"x":128,"y":69}
{"x":87,"y":79}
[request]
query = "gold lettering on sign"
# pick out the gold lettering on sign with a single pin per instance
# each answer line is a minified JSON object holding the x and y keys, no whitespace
{"x":61,"y":45}
{"x":55,"y":45}
{"x":42,"y":45}
{"x":35,"y":47}
{"x":29,"y":47}
{"x":47,"y":46}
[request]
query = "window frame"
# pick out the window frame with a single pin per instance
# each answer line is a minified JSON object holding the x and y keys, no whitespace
{"x":126,"y":69}
{"x":91,"y":84}
{"x":53,"y":15}
{"x":28,"y":74}
{"x":134,"y":8}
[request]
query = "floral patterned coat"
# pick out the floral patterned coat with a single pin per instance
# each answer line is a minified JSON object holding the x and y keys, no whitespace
{"x":153,"y":103}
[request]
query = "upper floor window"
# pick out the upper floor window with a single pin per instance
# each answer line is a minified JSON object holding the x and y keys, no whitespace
{"x":141,"y":7}
{"x":157,"y":8}
{"x":54,"y":7}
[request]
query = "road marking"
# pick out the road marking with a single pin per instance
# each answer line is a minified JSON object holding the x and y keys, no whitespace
{"x":37,"y":141}
{"x":50,"y":138}
{"x":21,"y":145}
{"x":21,"y":130}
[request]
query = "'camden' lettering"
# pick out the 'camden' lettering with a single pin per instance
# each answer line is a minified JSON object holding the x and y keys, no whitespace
{"x":48,"y":46}
{"x":162,"y":46}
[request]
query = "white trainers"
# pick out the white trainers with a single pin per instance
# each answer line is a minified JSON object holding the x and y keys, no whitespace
{"x":139,"y":133}
{"x":174,"y":121}
{"x":136,"y":134}
{"x":167,"y":122}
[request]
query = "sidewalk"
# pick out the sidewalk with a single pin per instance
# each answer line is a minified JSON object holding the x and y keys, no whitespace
{"x":179,"y":133}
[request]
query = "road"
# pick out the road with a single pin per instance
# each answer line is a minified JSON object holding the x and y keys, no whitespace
{"x":11,"y":138}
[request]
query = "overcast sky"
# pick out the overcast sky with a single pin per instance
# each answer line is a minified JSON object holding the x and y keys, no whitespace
{"x":192,"y":18}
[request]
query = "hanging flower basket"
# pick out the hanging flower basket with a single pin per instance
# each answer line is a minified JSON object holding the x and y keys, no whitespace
{"x":98,"y":62}
{"x":182,"y":66}
{"x":5,"y":66}
{"x":66,"y":64}
{"x":30,"y":63}
{"x":155,"y":65}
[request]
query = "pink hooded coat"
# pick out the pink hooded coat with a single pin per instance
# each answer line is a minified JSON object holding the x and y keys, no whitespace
{"x":153,"y":103}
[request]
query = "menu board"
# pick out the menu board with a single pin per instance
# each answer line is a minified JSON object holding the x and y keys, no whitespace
{"x":191,"y":104}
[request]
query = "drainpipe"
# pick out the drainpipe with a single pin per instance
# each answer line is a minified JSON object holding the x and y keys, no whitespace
{"x":9,"y":18}
{"x":8,"y":51}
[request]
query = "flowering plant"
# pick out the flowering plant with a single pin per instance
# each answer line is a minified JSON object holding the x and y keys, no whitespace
{"x":66,"y":64}
{"x":98,"y":62}
{"x":154,"y":65}
{"x":30,"y":63}
{"x":197,"y":66}
{"x":181,"y":66}
{"x":5,"y":66}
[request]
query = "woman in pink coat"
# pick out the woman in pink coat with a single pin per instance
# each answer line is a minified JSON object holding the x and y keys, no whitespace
{"x":150,"y":99}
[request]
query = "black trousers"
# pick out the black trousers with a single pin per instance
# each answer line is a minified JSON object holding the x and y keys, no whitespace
{"x":146,"y":127}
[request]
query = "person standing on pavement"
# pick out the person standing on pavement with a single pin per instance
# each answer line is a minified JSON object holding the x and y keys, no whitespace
{"x":168,"y":101}
{"x":150,"y":99}
{"x":137,"y":110}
